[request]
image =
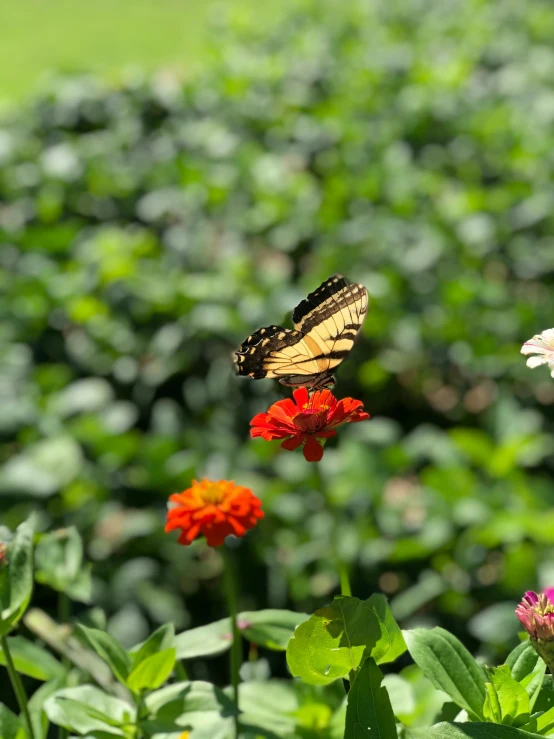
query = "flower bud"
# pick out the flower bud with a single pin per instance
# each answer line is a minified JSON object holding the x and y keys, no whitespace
{"x":536,"y":613}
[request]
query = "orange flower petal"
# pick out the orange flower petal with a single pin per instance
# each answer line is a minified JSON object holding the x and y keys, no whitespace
{"x":213,"y":509}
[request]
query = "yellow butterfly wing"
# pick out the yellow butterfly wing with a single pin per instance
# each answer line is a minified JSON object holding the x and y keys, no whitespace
{"x":331,"y":317}
{"x":326,"y":324}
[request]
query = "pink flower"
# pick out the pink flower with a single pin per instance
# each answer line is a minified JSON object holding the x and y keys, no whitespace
{"x":543,"y":346}
{"x":549,"y":592}
{"x":536,"y":613}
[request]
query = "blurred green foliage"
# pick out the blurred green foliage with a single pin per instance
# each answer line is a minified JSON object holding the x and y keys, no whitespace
{"x":106,"y":36}
{"x":146,"y":229}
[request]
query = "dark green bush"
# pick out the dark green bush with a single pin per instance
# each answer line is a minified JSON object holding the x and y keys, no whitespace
{"x":146,"y":229}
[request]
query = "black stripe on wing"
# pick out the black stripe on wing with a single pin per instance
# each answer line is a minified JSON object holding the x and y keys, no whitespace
{"x":249,"y":359}
{"x":334,"y":284}
{"x":340,"y":302}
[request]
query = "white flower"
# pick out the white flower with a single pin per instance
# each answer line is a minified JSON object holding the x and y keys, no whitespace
{"x":543,"y":345}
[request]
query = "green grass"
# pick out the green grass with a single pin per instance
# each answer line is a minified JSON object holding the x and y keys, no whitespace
{"x":38,"y":36}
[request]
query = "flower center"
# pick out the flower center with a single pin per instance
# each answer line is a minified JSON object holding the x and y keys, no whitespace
{"x":309,"y":409}
{"x":311,"y":419}
{"x":544,"y":606}
{"x":212,"y":494}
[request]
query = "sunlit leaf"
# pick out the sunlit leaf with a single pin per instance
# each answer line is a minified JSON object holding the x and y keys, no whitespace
{"x":449,"y":666}
{"x":86,"y":709}
{"x":106,"y":647}
{"x":507,"y":701}
{"x":335,"y":640}
{"x":33,"y":660}
{"x":152,"y":671}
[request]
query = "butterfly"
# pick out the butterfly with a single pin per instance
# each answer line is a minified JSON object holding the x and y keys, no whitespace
{"x":325,"y":326}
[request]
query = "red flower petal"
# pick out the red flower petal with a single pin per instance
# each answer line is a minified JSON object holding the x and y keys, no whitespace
{"x":284,"y":409}
{"x":306,"y":420}
{"x":359,"y":416}
{"x":262,"y":419}
{"x":301,"y":396}
{"x":293,"y":443}
{"x":326,"y":434}
{"x":347,"y":410}
{"x":323,"y":398}
{"x":313,"y":450}
{"x":270,"y":434}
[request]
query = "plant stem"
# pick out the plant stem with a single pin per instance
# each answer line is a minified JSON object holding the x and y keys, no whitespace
{"x":64,"y":615}
{"x":17,"y":685}
{"x":342,"y":567}
{"x":181,"y":671}
{"x":64,"y":608}
{"x":142,"y":712}
{"x":345,"y":588}
{"x":229,"y":576}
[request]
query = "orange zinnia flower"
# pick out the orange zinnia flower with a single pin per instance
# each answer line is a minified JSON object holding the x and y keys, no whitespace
{"x":306,"y":420}
{"x":213,"y":509}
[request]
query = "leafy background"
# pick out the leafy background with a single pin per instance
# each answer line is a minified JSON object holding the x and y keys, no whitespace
{"x":146,"y":228}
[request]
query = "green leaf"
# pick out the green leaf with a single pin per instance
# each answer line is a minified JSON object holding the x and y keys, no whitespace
{"x":522,"y":660}
{"x":338,"y":721}
{"x":369,"y":713}
{"x":16,"y":577}
{"x":204,"y":641}
{"x":39,"y":719}
{"x":429,"y":702}
{"x":449,"y":666}
{"x":271,"y":705}
{"x":152,"y":672}
{"x":87,"y":709}
{"x":532,"y":685}
{"x":401,"y":695}
{"x":10,"y":726}
{"x":506,"y":701}
{"x":32,"y":660}
{"x":108,"y":649}
{"x":59,"y":564}
{"x":161,"y":639}
{"x":528,"y":669}
{"x":545,"y":701}
{"x":187,"y":705}
{"x":469,"y":731}
{"x":43,"y":468}
{"x":335,"y":640}
{"x":542,"y":724}
{"x":391,"y":643}
{"x":270,"y":628}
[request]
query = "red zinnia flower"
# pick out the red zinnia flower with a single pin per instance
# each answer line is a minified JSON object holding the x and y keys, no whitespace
{"x":213,"y":509}
{"x":306,"y":420}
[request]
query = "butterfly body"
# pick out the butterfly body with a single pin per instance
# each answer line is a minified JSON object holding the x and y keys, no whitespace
{"x":325,"y":326}
{"x":311,"y":382}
